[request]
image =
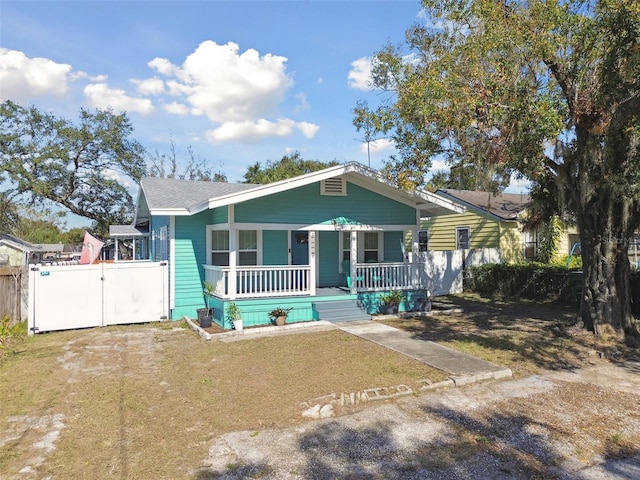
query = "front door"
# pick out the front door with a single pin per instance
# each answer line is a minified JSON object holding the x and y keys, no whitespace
{"x":299,"y":248}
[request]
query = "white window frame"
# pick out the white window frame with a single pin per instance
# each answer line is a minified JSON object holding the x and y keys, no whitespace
{"x":211,"y":250}
{"x":344,"y":246}
{"x":426,"y":234}
{"x":257,"y":248}
{"x":531,"y":238}
{"x":458,"y":230}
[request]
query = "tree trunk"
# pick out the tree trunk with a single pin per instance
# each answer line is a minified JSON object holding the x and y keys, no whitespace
{"x":606,"y":296}
{"x":606,"y":219}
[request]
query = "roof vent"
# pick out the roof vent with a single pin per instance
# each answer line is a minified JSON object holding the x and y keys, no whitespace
{"x":334,"y":186}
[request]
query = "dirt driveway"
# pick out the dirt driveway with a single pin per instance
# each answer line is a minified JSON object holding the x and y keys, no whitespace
{"x":543,"y":426}
{"x":138,"y":402}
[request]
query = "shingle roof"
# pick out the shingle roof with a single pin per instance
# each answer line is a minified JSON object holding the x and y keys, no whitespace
{"x":168,"y":193}
{"x":17,"y":243}
{"x":127,"y":231}
{"x":186,"y":197}
{"x":506,"y":206}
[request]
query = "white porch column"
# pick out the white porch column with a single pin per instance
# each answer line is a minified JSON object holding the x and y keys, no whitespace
{"x":415,"y":258}
{"x":116,"y":250}
{"x":312,"y":263}
{"x":233,"y":254}
{"x":415,"y":245}
{"x":353,"y":243}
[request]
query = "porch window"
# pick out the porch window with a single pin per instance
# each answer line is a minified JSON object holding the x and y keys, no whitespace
{"x":371,"y":247}
{"x":462,"y":238}
{"x":423,"y":240}
{"x":346,"y":245}
{"x":220,"y":248}
{"x":248,"y":247}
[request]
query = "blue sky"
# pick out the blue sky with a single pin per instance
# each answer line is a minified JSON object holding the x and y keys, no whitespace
{"x":238,"y":82}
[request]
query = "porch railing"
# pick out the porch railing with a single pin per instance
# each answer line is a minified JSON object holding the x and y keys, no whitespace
{"x":259,"y":281}
{"x":386,"y":276}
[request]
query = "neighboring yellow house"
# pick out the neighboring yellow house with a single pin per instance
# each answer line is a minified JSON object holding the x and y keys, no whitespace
{"x":491,"y":221}
{"x":15,"y":252}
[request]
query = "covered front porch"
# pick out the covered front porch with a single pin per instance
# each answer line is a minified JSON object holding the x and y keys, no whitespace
{"x":269,"y":281}
{"x":331,"y":271}
{"x":360,"y":258}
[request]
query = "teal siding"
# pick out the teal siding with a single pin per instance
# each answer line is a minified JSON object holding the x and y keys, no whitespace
{"x":219,"y":215}
{"x":306,"y":206}
{"x":255,"y":311}
{"x":274,"y":247}
{"x":328,"y":260}
{"x":393,"y":242}
{"x":190,"y":253}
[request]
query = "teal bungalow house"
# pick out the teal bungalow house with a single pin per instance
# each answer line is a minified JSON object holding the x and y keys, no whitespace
{"x":331,"y":236}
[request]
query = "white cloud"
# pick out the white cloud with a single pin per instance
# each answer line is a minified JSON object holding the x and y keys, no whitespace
{"x":255,"y":130}
{"x":176,"y":108}
{"x":226,"y":85}
{"x":440,"y":166}
{"x":80,"y":75}
{"x":162,"y":65}
{"x":309,"y":130}
{"x":101,"y":96}
{"x":303,"y":103}
{"x":378,"y":146}
{"x":23,"y":78}
{"x":360,"y":74}
{"x":239,"y":92}
{"x":150,"y":86}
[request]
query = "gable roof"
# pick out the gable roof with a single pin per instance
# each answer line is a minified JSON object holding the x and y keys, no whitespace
{"x":161,"y":196}
{"x":17,"y":243}
{"x":505,"y":206}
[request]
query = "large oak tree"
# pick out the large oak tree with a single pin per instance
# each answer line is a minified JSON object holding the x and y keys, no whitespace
{"x":79,"y":167}
{"x":288,"y":166}
{"x":547,"y":88}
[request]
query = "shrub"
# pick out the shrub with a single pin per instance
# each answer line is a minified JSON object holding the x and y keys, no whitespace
{"x":531,"y":280}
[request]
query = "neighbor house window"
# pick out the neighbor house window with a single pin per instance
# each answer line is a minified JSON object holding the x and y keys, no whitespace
{"x":462,"y":238}
{"x":530,"y":244}
{"x":220,"y":248}
{"x":371,"y":247}
{"x":423,"y":240}
{"x":247,"y":247}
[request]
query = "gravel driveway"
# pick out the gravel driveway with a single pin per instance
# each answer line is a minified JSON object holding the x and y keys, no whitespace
{"x":544,"y":426}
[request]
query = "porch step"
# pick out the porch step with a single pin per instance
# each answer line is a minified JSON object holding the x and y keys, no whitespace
{"x":337,"y":311}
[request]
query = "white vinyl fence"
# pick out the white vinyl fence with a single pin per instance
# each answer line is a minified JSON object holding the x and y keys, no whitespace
{"x":64,"y":297}
{"x":482,"y":256}
{"x":441,"y":271}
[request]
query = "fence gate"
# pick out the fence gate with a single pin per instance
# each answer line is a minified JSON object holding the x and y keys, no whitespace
{"x":78,"y":296}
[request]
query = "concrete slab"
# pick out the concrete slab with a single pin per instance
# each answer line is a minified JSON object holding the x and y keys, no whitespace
{"x":462,"y":367}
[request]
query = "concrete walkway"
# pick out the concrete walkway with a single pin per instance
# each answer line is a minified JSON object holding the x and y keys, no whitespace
{"x":463,"y":368}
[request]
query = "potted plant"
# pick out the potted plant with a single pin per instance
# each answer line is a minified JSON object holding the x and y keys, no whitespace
{"x":205,"y":315}
{"x":391,"y":301}
{"x":279,"y":315}
{"x":423,"y":301}
{"x":236,"y":316}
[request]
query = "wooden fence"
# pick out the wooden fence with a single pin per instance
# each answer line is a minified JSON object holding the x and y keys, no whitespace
{"x":11,"y":292}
